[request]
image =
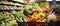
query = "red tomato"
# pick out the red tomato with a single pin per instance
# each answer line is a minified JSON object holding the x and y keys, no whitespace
{"x":47,"y":10}
{"x":59,"y":18}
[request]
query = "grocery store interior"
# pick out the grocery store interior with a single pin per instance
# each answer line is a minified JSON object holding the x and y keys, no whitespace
{"x":29,"y":12}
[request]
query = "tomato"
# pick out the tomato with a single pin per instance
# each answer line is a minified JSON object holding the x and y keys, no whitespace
{"x":47,"y":10}
{"x":59,"y":18}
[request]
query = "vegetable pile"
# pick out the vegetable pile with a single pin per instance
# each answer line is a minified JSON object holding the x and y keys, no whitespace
{"x":30,"y":13}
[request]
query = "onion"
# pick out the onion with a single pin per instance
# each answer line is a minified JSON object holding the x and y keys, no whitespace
{"x":52,"y":17}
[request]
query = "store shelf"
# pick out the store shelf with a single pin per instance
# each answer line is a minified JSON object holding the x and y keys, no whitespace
{"x":19,"y":2}
{"x":9,"y":10}
{"x":9,"y":4}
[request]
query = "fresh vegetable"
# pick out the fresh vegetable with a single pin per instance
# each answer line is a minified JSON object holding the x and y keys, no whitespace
{"x":7,"y":24}
{"x":41,"y":18}
{"x":30,"y":19}
{"x":44,"y":20}
{"x":12,"y":22}
{"x":52,"y":17}
{"x":35,"y":15}
{"x":59,"y":18}
{"x":56,"y":9}
{"x":4,"y":16}
{"x":47,"y":10}
{"x":27,"y":12}
{"x":20,"y":17}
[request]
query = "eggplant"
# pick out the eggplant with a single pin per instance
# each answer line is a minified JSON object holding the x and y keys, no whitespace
{"x":56,"y":9}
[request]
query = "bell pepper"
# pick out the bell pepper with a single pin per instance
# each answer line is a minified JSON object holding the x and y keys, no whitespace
{"x":41,"y":18}
{"x":30,"y":19}
{"x":59,"y":18}
{"x":12,"y":22}
{"x":44,"y":20}
{"x":27,"y":12}
{"x":34,"y":16}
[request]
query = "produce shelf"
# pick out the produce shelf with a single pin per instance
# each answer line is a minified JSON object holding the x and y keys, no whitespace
{"x":9,"y":10}
{"x":9,"y":4}
{"x":19,"y":2}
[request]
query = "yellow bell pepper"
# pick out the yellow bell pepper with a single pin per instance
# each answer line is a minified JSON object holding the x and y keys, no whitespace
{"x":44,"y":20}
{"x":41,"y":19}
{"x":13,"y":21}
{"x":35,"y":16}
{"x":43,"y":14}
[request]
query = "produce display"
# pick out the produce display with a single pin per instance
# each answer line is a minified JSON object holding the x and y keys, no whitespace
{"x":6,"y":19}
{"x":10,"y":15}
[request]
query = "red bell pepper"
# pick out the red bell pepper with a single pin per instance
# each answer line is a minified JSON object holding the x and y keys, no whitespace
{"x":59,"y":18}
{"x":30,"y":19}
